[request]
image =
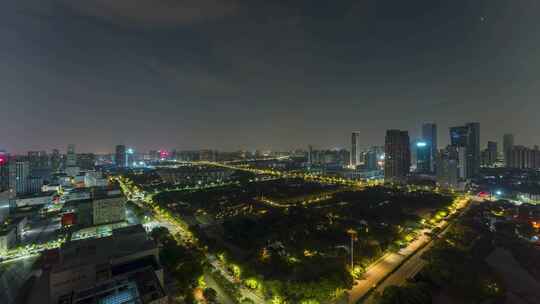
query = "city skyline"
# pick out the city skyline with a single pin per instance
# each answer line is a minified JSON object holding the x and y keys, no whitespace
{"x":273,"y":75}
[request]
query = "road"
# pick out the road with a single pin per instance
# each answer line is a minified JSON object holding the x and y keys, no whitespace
{"x":376,"y":273}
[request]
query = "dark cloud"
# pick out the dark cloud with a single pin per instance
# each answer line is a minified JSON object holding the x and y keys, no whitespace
{"x":263,"y":74}
{"x":155,"y":13}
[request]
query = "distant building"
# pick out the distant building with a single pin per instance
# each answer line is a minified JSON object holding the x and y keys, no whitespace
{"x":4,"y":171}
{"x":467,"y":139}
{"x":489,"y":155}
{"x":121,"y":157}
{"x":447,"y":168}
{"x":19,"y":171}
{"x":71,"y":156}
{"x":508,"y":144}
{"x":56,"y":160}
{"x":423,"y":157}
{"x":520,"y":157}
{"x":374,"y":158}
{"x":38,"y":160}
{"x":355,"y":149}
{"x":86,"y":161}
{"x":34,"y":184}
{"x":429,"y":135}
{"x":397,"y":155}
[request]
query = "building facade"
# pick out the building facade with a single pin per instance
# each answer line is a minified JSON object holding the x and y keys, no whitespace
{"x":429,"y":135}
{"x":121,"y":156}
{"x":508,"y":144}
{"x":397,"y":155}
{"x":467,"y":139}
{"x":355,"y":149}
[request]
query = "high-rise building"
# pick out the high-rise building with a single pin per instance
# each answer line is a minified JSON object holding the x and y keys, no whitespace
{"x":429,"y":135}
{"x":423,"y":157}
{"x":121,"y":156}
{"x":397,"y":155}
{"x":310,"y":155}
{"x":56,"y":160}
{"x":489,"y":155}
{"x":447,"y":168}
{"x":466,"y":139}
{"x":71,"y":157}
{"x":355,"y":149}
{"x":473,"y":148}
{"x":508,"y":144}
{"x":4,"y":171}
{"x":19,"y":171}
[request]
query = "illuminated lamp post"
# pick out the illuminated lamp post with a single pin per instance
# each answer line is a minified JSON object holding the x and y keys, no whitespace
{"x":354,"y":237}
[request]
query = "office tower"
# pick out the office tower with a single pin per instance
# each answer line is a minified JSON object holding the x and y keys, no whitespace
{"x":355,"y":149}
{"x":473,"y":148}
{"x":447,"y":168}
{"x":19,"y":171}
{"x":508,"y":144}
{"x":56,"y":160}
{"x":121,"y":157}
{"x":71,"y":157}
{"x":423,"y":157}
{"x":466,"y":139}
{"x":397,"y":155}
{"x":4,"y":171}
{"x":429,"y":135}
{"x":489,"y":156}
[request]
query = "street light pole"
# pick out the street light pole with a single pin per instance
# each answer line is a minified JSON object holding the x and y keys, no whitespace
{"x":353,"y":235}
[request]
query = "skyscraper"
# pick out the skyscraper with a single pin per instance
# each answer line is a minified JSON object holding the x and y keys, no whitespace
{"x":19,"y":171}
{"x":397,"y":155}
{"x":447,"y":168}
{"x":4,"y":171}
{"x":429,"y":135}
{"x":355,"y":149}
{"x":71,"y":157}
{"x":56,"y":160}
{"x":423,"y":157}
{"x":491,"y":153}
{"x":508,"y":144}
{"x":466,"y":139}
{"x":473,"y":148}
{"x":121,"y":156}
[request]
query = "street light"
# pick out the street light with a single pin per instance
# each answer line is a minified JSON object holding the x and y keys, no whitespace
{"x":354,"y":237}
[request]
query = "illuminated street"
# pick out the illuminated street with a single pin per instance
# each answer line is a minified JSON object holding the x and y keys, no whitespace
{"x":390,"y":261}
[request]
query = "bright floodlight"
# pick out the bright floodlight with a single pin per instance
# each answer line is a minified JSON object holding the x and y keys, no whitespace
{"x":498,"y":192}
{"x":130,"y":151}
{"x":421,"y":144}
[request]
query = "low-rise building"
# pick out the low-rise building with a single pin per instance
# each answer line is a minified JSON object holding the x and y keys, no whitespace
{"x":8,"y":238}
{"x":42,"y":198}
{"x":122,"y":268}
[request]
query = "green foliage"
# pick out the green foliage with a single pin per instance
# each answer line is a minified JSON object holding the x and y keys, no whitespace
{"x":185,"y":264}
{"x":408,"y":294}
{"x":210,"y":295}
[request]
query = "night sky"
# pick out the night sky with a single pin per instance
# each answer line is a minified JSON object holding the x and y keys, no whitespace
{"x":251,"y":74}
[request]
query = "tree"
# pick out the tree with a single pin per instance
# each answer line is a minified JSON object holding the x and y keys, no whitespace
{"x":210,"y":295}
{"x":160,"y":235}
